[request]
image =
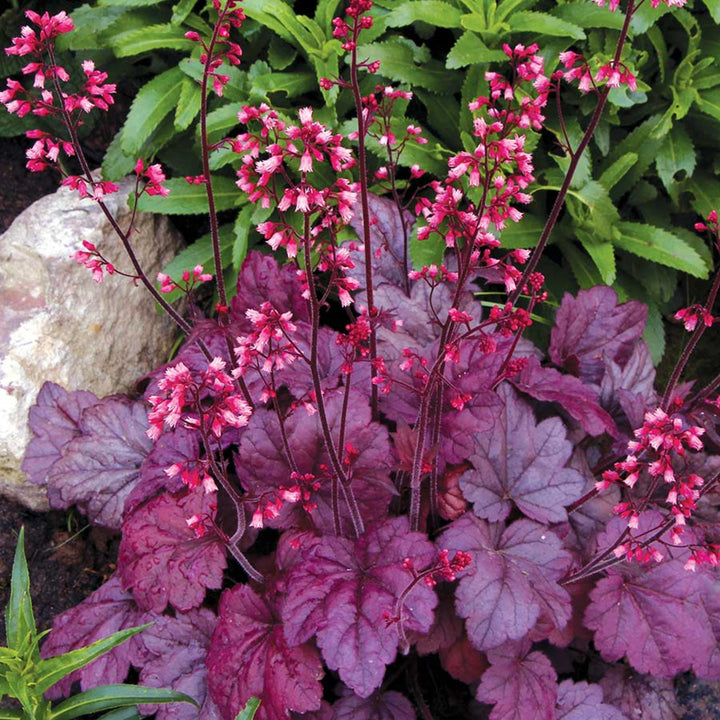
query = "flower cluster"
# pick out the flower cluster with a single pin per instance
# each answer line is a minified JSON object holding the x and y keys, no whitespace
{"x":152,"y":178}
{"x":189,"y":280}
{"x":93,"y":260}
{"x":300,"y":491}
{"x":221,"y":48}
{"x":613,"y":74}
{"x":207,"y":401}
{"x":661,"y":440}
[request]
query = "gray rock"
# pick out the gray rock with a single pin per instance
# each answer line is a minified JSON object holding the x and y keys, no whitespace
{"x":57,"y":324}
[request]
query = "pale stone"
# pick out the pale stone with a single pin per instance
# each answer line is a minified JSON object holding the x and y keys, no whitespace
{"x":57,"y":324}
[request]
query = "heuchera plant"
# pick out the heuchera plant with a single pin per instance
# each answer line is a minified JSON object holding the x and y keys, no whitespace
{"x":323,"y":517}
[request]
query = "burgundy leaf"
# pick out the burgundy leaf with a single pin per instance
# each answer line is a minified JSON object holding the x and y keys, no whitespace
{"x":592,"y":328}
{"x":462,"y":661}
{"x":576,"y":398}
{"x":370,"y":470}
{"x":641,"y":696}
{"x":655,"y":618}
{"x":344,"y":592}
{"x":53,"y":420}
{"x":108,"y":610}
{"x":249,"y":656}
{"x":178,"y":446}
{"x":447,"y":627}
{"x":99,"y":469}
{"x":176,"y":647}
{"x":261,"y":279}
{"x":512,"y":580}
{"x":582,"y":701}
{"x":521,"y":684}
{"x":162,"y":560}
{"x":521,"y":462}
{"x":379,"y":706}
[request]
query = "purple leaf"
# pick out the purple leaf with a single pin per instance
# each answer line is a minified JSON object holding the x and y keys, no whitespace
{"x":176,"y":647}
{"x":98,"y":469}
{"x":178,"y":446}
{"x":249,"y":656}
{"x":582,"y":701}
{"x":512,"y":580}
{"x":261,"y":279}
{"x":523,"y":462}
{"x":108,"y":610}
{"x":630,"y":389}
{"x":53,"y":420}
{"x":655,"y":618}
{"x":370,"y":471}
{"x":344,"y":592}
{"x":641,"y":696}
{"x":379,"y":706}
{"x":593,"y":328}
{"x":521,"y":684}
{"x":162,"y":561}
{"x":386,"y":240}
{"x":577,"y":399}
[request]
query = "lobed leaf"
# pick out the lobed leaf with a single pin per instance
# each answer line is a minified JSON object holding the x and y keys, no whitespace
{"x":162,"y":560}
{"x":523,"y":463}
{"x":341,"y":591}
{"x":512,"y":581}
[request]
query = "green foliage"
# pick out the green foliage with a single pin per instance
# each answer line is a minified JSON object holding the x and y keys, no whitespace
{"x":25,"y":676}
{"x":645,"y":175}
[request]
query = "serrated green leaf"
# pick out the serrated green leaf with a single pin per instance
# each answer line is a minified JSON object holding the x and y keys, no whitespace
{"x":10,"y":714}
{"x":90,"y":23}
{"x":129,"y":3}
{"x":181,"y":10}
{"x":713,"y":7}
{"x":248,"y":712}
{"x":291,"y":83}
{"x":432,"y":12}
{"x":235,"y":89}
{"x":709,"y":102}
{"x":592,"y":210}
{"x":241,"y":229}
{"x":602,"y":254}
{"x":150,"y":38}
{"x":443,"y":113}
{"x":280,"y":54}
{"x":283,"y":20}
{"x":51,"y":670}
{"x":658,"y":245}
{"x":646,"y":16}
{"x":426,"y":252}
{"x":675,"y":155}
{"x":588,"y":15}
{"x":524,"y":234}
{"x":658,"y":281}
{"x":580,"y":264}
{"x":325,"y":11}
{"x":403,"y":61}
{"x":544,"y":24}
{"x":200,"y":253}
{"x":153,"y":102}
{"x":188,"y":105}
{"x":706,"y":193}
{"x":470,"y":50}
{"x":612,"y":175}
{"x":107,"y":697}
{"x":19,"y":618}
{"x":187,"y":199}
{"x":223,"y":118}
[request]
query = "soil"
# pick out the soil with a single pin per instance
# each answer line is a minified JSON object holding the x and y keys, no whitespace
{"x":68,"y":559}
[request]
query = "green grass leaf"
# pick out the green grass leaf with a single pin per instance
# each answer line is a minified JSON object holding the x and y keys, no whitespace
{"x":107,"y":697}
{"x":19,"y":619}
{"x":660,"y":246}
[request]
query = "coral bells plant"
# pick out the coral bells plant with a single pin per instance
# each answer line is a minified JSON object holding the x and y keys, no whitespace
{"x":354,"y":481}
